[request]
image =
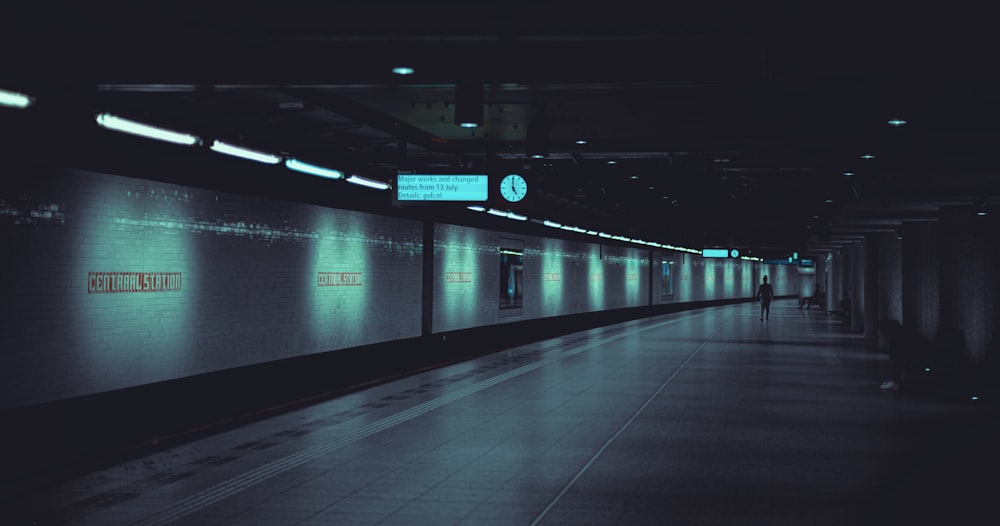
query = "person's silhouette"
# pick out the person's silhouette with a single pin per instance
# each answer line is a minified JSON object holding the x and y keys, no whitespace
{"x":765,"y":293}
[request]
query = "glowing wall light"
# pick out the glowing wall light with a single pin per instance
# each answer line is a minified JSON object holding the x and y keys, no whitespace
{"x":312,"y":169}
{"x":244,"y":153}
{"x":369,"y":183}
{"x":595,"y":279}
{"x":116,"y":123}
{"x":14,"y":99}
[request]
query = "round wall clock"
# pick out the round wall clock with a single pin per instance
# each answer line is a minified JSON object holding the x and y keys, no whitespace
{"x":513,"y":187}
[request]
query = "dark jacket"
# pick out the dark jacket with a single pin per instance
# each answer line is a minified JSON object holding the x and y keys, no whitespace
{"x":765,"y":292}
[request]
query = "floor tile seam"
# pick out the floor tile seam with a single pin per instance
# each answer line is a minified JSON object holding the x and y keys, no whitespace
{"x":487,"y":452}
{"x":138,"y":487}
{"x":275,"y":469}
{"x":227,"y":488}
{"x":442,"y":481}
{"x":622,"y":428}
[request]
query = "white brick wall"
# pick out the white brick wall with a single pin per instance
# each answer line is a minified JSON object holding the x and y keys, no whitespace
{"x":249,"y":290}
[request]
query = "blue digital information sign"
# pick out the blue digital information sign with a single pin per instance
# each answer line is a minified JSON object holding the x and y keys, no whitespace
{"x":442,"y":187}
{"x":715,"y":252}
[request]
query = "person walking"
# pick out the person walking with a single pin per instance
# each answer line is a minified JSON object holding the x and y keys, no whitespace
{"x":765,"y":293}
{"x":896,"y":345}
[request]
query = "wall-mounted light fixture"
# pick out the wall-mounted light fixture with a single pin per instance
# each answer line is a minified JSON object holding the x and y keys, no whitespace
{"x":113,"y":122}
{"x":244,"y":153}
{"x":312,"y":169}
{"x":13,"y":99}
{"x":370,"y":183}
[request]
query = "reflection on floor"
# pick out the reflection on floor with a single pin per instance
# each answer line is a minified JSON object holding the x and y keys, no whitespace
{"x":700,"y":417}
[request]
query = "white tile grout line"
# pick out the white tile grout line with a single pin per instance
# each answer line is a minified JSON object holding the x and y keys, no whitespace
{"x":255,"y":476}
{"x":628,"y":422}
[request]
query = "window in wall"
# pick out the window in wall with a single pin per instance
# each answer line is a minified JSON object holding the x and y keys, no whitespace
{"x":667,"y":281}
{"x":511,"y":278}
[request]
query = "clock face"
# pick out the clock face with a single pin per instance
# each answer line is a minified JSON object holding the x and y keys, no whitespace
{"x":513,"y":187}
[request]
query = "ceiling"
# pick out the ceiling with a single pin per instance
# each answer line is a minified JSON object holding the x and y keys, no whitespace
{"x":726,"y":123}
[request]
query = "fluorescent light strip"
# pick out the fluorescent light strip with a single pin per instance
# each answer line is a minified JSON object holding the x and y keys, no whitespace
{"x":245,"y":153}
{"x":116,"y":123}
{"x":14,"y":99}
{"x":508,"y":215}
{"x":554,"y":224}
{"x":312,"y":169}
{"x":370,"y":183}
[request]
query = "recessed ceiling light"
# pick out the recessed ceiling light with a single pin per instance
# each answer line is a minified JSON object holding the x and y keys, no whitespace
{"x":897,"y":122}
{"x":867,"y":156}
{"x":402,"y":70}
{"x":581,"y":141}
{"x":612,"y":162}
{"x":848,"y":174}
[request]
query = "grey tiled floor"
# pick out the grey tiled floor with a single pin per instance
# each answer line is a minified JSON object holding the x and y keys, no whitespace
{"x":701,"y":417}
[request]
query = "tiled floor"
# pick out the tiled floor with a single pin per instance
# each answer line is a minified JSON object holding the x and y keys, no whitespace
{"x":700,"y":417}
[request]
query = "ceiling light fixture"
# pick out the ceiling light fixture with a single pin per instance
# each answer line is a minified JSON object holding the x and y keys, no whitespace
{"x":312,"y":169}
{"x":469,"y":99}
{"x":897,"y":122}
{"x":867,"y":156}
{"x":982,"y":207}
{"x":536,"y":140}
{"x":848,"y":174}
{"x":402,"y":70}
{"x":245,"y":153}
{"x":14,"y":99}
{"x":115,"y":123}
{"x":370,"y":183}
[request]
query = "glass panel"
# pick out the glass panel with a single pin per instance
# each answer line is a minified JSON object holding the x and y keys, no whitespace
{"x":511,"y":282}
